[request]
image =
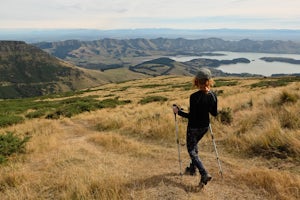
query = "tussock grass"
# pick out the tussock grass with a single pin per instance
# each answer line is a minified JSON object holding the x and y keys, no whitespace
{"x":129,"y":151}
{"x":148,"y":122}
{"x":278,"y":185}
{"x":270,"y":128}
{"x":272,"y":141}
{"x":120,"y":144}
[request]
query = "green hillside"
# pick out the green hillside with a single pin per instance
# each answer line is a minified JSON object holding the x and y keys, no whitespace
{"x":26,"y":71}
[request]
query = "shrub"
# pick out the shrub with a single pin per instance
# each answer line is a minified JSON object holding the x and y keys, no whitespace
{"x":275,"y":82}
{"x":150,"y":99}
{"x":35,"y":114}
{"x":220,"y":83}
{"x":74,"y":106}
{"x":225,"y":115}
{"x":150,"y":86}
{"x":184,"y":86}
{"x":9,"y":119}
{"x":111,"y":103}
{"x":10,"y":144}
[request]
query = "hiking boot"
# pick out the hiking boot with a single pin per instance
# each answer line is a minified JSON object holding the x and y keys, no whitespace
{"x":190,"y":171}
{"x":205,"y":178}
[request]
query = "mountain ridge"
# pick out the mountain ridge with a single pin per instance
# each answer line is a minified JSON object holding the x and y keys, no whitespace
{"x":130,"y":52}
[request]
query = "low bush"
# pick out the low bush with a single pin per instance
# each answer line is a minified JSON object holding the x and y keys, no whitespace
{"x":275,"y":82}
{"x":151,"y":85}
{"x":150,"y":99}
{"x":35,"y":114}
{"x":9,"y":119}
{"x":184,"y":86}
{"x":74,"y":106}
{"x":10,"y":144}
{"x":221,"y":82}
{"x":225,"y":116}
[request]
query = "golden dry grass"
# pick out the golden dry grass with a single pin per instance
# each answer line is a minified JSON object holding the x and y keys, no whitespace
{"x":130,"y":152}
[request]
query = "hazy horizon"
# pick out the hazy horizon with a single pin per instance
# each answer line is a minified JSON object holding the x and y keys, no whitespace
{"x":51,"y":35}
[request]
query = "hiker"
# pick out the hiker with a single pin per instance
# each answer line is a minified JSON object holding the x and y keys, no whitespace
{"x":202,"y":102}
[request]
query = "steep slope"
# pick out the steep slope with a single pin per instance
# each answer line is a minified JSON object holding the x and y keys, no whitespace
{"x":27,"y":71}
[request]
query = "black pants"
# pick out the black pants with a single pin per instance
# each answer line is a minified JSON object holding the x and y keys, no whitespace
{"x":193,"y":136}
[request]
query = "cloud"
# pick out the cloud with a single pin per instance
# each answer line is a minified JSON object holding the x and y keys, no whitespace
{"x":112,"y":14}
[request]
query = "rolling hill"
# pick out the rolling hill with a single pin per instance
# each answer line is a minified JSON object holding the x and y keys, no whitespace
{"x":27,"y":71}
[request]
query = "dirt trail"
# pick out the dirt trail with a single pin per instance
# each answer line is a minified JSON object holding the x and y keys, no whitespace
{"x":158,"y":177}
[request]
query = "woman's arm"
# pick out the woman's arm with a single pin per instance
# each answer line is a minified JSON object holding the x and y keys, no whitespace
{"x":183,"y":114}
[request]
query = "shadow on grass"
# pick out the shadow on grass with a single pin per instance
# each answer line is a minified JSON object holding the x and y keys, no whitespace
{"x":168,"y":179}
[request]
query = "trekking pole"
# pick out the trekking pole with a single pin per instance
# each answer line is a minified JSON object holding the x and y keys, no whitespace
{"x":177,"y":141}
{"x":215,"y":146}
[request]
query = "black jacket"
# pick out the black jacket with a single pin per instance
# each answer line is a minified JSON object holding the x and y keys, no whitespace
{"x":201,"y":104}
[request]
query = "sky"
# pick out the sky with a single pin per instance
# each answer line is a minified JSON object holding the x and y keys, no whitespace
{"x":136,"y":14}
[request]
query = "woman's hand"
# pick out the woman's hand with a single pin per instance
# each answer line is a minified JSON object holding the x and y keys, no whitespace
{"x":175,"y":109}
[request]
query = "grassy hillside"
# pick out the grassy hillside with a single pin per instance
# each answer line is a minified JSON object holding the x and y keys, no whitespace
{"x":27,"y":71}
{"x":119,"y":142}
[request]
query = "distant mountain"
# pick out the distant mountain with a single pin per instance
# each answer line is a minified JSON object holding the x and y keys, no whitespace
{"x":27,"y":71}
{"x":51,"y":35}
{"x":113,"y":53}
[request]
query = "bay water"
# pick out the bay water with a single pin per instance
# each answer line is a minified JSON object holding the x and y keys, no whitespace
{"x":256,"y":65}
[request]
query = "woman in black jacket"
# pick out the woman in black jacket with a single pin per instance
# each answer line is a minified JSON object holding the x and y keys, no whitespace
{"x":202,"y":102}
